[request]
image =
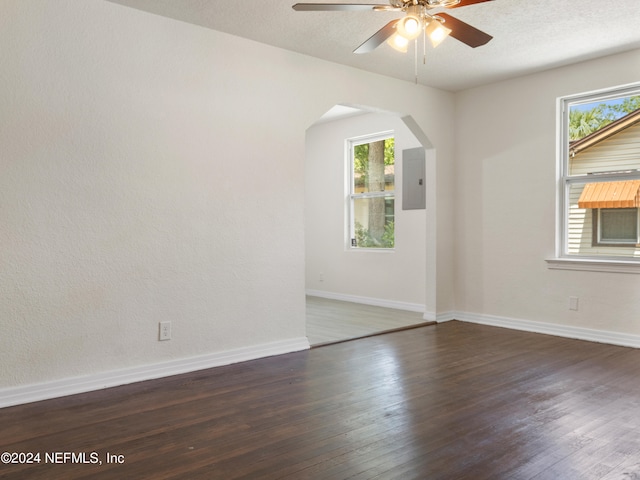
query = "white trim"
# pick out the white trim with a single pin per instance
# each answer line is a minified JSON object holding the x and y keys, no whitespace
{"x":71,"y":386}
{"x":445,"y":317}
{"x":600,"y":336}
{"x":430,"y":317}
{"x":376,"y":302}
{"x":592,"y":265}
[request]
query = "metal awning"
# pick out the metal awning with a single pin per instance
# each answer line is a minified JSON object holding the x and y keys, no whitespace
{"x":610,"y":195}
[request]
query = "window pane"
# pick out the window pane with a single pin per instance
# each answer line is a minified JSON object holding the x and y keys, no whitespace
{"x":373,"y":166}
{"x":374,"y":222}
{"x":619,"y":225}
{"x":600,"y":139}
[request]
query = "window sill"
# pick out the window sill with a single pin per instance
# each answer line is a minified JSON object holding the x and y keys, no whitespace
{"x":592,"y":265}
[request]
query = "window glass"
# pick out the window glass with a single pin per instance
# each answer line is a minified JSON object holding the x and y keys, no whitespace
{"x":618,"y":225}
{"x":374,"y":222}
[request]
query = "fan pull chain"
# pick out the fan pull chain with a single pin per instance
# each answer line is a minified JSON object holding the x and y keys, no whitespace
{"x":424,"y":47}
{"x":415,"y":59}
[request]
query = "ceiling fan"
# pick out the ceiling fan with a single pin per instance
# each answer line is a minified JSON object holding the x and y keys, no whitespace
{"x":418,"y":20}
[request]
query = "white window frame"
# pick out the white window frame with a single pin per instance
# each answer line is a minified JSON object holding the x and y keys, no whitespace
{"x":351,"y":196}
{"x":563,"y":260}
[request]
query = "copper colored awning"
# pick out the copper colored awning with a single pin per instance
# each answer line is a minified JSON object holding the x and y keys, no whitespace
{"x":610,"y":195}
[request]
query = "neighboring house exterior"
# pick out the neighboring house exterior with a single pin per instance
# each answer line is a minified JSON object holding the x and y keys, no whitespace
{"x":604,"y":210}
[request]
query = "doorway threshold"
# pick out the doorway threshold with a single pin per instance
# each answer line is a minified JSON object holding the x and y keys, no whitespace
{"x":375,"y":334}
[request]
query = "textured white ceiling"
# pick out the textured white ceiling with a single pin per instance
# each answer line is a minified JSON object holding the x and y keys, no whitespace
{"x":529,"y":35}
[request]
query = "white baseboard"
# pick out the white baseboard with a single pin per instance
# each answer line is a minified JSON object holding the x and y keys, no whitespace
{"x":376,"y":302}
{"x":445,"y":317}
{"x":71,"y":386}
{"x":430,"y":317}
{"x":580,"y":333}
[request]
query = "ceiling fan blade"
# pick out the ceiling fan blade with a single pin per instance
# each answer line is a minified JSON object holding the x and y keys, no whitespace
{"x":464,"y":32}
{"x":377,"y":38}
{"x":336,"y":7}
{"x":464,"y":3}
{"x":386,"y":8}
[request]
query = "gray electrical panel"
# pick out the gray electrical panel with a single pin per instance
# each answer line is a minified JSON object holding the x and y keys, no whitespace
{"x":414,"y":196}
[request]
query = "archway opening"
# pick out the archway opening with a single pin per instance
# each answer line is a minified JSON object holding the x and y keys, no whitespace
{"x":356,"y":292}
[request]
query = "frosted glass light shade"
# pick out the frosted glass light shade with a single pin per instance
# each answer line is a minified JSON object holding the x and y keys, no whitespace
{"x":398,"y":42}
{"x":410,"y":27}
{"x":437,"y":32}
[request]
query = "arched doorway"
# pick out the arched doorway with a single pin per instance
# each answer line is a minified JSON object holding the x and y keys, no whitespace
{"x":396,"y":281}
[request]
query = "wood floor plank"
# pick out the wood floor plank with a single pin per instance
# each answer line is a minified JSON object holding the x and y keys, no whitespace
{"x":453,"y":401}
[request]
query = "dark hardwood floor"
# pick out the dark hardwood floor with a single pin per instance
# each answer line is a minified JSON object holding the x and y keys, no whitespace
{"x":452,"y":401}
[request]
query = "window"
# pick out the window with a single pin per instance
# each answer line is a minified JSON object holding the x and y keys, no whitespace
{"x":599,"y":186}
{"x":371,"y":197}
{"x":616,"y":226}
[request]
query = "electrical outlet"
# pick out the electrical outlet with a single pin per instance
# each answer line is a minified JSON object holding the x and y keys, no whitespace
{"x":573,"y":303}
{"x":165,"y":331}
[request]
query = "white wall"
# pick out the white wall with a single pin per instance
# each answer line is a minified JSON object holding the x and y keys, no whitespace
{"x":505,"y":211}
{"x":395,"y":277}
{"x":153,"y":170}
